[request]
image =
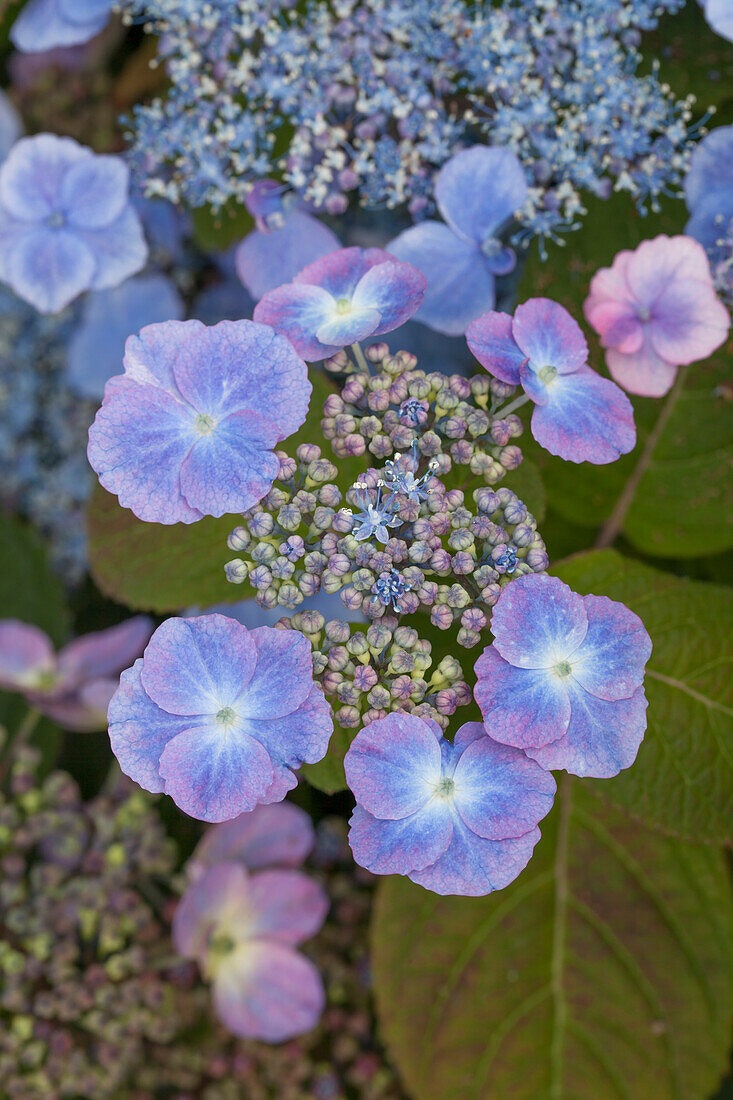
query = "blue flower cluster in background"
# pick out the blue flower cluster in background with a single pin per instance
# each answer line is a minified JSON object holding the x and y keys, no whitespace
{"x":339,"y":99}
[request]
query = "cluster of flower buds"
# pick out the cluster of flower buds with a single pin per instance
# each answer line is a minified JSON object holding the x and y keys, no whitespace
{"x":367,"y":674}
{"x":399,"y":539}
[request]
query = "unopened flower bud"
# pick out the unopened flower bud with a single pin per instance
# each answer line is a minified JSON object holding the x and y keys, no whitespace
{"x":239,"y":538}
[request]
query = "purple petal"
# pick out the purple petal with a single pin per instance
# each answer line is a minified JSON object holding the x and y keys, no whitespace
{"x":82,"y":11}
{"x":688,"y":322}
{"x":533,"y":385}
{"x":478,"y":189}
{"x":491,"y":341}
{"x":215,"y":773}
{"x":603,"y":737}
{"x":268,"y":991}
{"x":266,"y":260}
{"x":31,"y":175}
{"x":538,"y":621}
{"x":26,"y":653}
{"x":287,"y":906}
{"x":398,"y":847}
{"x":298,"y":311}
{"x":119,"y":249}
{"x":394,"y":765}
{"x":348,"y":328}
{"x":473,"y":866}
{"x":300,"y":737}
{"x":94,"y":191}
{"x":232,"y":467}
{"x":219,"y":897}
{"x":137,"y":445}
{"x":520,"y":706}
{"x":720,"y":17}
{"x":198,"y":665}
{"x":139,"y":730}
{"x":586,"y":419}
{"x":49,"y":268}
{"x":499,"y":793}
{"x":712,"y":162}
{"x":149,"y":356}
{"x":283,"y":677}
{"x":394,"y":290}
{"x":270,"y":836}
{"x":610,"y":660}
{"x":658,"y":264}
{"x":549,"y":336}
{"x":340,"y":272}
{"x":239,"y":365}
{"x":43,"y":25}
{"x":76,"y":712}
{"x":642,"y":372}
{"x":105,"y":652}
{"x":460,"y":284}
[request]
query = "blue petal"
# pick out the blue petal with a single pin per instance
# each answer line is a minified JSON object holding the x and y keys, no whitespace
{"x":49,"y":268}
{"x":478,"y":189}
{"x":490,"y":339}
{"x":267,"y":260}
{"x":537,"y":621}
{"x":394,"y":765}
{"x":473,"y":867}
{"x":520,"y":706}
{"x":232,"y":467}
{"x":398,"y":847}
{"x":586,"y":419}
{"x":119,"y":249}
{"x":610,"y":660}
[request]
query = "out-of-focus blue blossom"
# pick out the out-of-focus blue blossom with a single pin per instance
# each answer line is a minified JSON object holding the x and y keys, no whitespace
{"x":166,"y":228}
{"x":11,"y":125}
{"x":219,"y":716}
{"x":108,"y":318}
{"x":338,"y":100}
{"x":341,"y":299}
{"x":45,"y":24}
{"x":719,"y":14}
{"x":66,"y":222}
{"x":286,"y":239}
{"x":477,"y":191}
{"x":709,"y":196}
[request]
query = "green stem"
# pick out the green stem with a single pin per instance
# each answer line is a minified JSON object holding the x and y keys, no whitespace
{"x":360,"y":358}
{"x":29,"y":723}
{"x":513,"y":406}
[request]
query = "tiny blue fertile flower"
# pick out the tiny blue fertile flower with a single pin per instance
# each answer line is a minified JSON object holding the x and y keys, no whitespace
{"x":578,"y":415}
{"x":218,"y":716}
{"x":46,"y":24}
{"x":243,"y":929}
{"x":563,"y":678}
{"x":476,"y":191}
{"x":189,"y":429}
{"x":376,"y":515}
{"x":97,"y":347}
{"x":286,"y":239}
{"x":456,"y":818}
{"x":341,"y":299}
{"x":66,"y":222}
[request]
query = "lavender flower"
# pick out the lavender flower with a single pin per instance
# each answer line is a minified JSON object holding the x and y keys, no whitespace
{"x":218,"y":716}
{"x":66,"y":222}
{"x":46,"y":24}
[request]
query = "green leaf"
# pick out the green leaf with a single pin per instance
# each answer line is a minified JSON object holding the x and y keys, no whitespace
{"x":328,"y":774}
{"x":526,"y":482}
{"x":602,"y":973}
{"x":153,"y":567}
{"x":682,"y":779}
{"x":671,"y":497}
{"x":29,"y":591}
{"x":217,"y":230}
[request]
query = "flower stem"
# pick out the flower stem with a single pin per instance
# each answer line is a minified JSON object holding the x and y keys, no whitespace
{"x":513,"y":406}
{"x":360,"y":358}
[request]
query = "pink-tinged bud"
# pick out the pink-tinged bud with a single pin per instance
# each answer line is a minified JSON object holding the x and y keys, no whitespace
{"x":351,"y":598}
{"x":440,"y":563}
{"x":491,"y":594}
{"x":537,"y":560}
{"x":445,"y":701}
{"x":373,"y":714}
{"x":473,"y":618}
{"x":375,"y":353}
{"x":402,"y":687}
{"x":463,"y":563}
{"x":462,"y":452}
{"x":333,"y":405}
{"x":501,"y":432}
{"x":348,"y":717}
{"x":510,"y":457}
{"x":441,"y":616}
{"x":468,"y":638}
{"x":365,"y":677}
{"x":309,"y":584}
{"x":331,"y":681}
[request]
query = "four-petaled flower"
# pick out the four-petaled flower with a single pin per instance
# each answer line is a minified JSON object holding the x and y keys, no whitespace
{"x":563,"y":678}
{"x":66,"y":222}
{"x":341,"y":299}
{"x":45,"y":24}
{"x":376,"y":515}
{"x":477,"y":190}
{"x":189,"y":429}
{"x":285,"y":240}
{"x":578,"y":415}
{"x":656,"y":309}
{"x":242,"y":929}
{"x":74,"y":686}
{"x":456,"y":818}
{"x":218,"y":716}
{"x":401,"y":479}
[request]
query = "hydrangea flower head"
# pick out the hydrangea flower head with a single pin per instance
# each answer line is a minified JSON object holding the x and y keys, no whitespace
{"x":218,"y":716}
{"x":285,"y":240}
{"x":275,"y":835}
{"x":243,"y":929}
{"x":709,"y":197}
{"x":66,"y":222}
{"x":45,"y":24}
{"x":476,"y":191}
{"x":656,"y":309}
{"x":189,"y":429}
{"x":74,"y":686}
{"x":341,"y":299}
{"x":108,"y":317}
{"x":578,"y":415}
{"x":456,"y":818}
{"x":563,"y":678}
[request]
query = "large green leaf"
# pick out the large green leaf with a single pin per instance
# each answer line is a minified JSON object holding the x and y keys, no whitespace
{"x":672,"y":495}
{"x":603,"y":973}
{"x":682,"y":779}
{"x":29,"y":591}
